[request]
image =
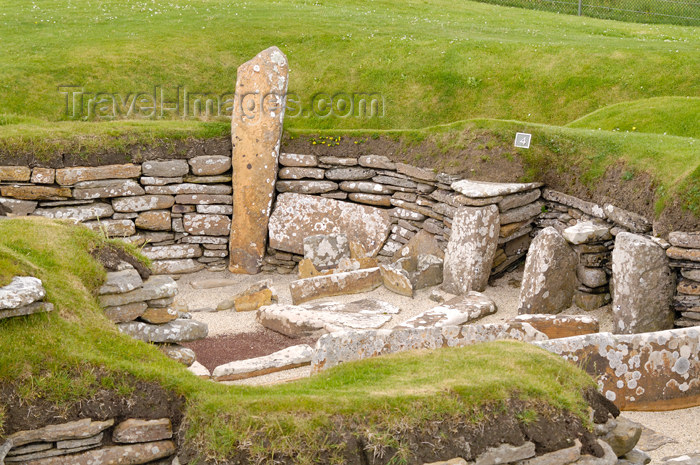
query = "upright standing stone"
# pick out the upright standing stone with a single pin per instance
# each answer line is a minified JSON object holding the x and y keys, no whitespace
{"x":256,"y":128}
{"x":643,"y":285}
{"x":549,"y":279}
{"x":471,"y":249}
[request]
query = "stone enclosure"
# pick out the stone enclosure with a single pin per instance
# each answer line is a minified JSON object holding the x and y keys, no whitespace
{"x":347,"y":225}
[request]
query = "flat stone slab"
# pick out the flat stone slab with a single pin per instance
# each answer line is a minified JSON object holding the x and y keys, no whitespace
{"x":585,"y":232}
{"x":454,"y":312}
{"x":482,"y":189}
{"x":78,"y":213}
{"x":172,"y":252}
{"x":297,"y":216}
{"x":344,"y":346}
{"x":174,"y":331}
{"x":285,"y":359}
{"x":79,"y":429}
{"x":349,"y":282}
{"x":133,"y":454}
{"x":23,"y":290}
{"x":155,"y":287}
{"x":647,"y":371}
{"x":210,"y":165}
{"x":557,"y":326}
{"x":133,"y":431}
{"x":118,"y":282}
{"x":70,"y":176}
{"x":36,"y":307}
{"x":309,"y":319}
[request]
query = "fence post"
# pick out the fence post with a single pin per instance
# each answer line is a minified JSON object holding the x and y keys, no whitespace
{"x":579,"y":7}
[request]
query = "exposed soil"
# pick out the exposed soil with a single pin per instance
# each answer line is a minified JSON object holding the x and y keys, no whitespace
{"x":146,"y":400}
{"x":214,"y":351}
{"x":445,"y":438}
{"x":111,"y":257}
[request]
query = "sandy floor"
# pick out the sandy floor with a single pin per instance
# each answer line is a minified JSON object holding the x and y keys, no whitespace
{"x":682,"y":427}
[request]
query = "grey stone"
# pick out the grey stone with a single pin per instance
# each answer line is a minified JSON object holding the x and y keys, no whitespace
{"x":36,"y":307}
{"x":134,"y":430}
{"x":153,"y":181}
{"x":106,"y":189}
{"x":344,"y":346}
{"x":481,"y":189}
{"x":455,"y":312}
{"x":411,"y":273}
{"x":549,"y":279}
{"x":634,"y":457}
{"x":519,"y":214}
{"x":558,"y":457}
{"x":642,"y":285}
{"x":133,"y":454}
{"x":415,"y":172}
{"x":591,"y":277}
{"x":22,"y":290}
{"x":349,"y":174}
{"x":339,"y":161}
{"x":165,"y":168}
{"x":395,"y":181}
{"x":349,"y":282}
{"x":624,"y":436}
{"x":143,"y":203}
{"x":170,"y":252}
{"x":176,"y":352}
{"x":156,"y":287}
{"x":688,"y":240}
{"x":305,"y":320}
{"x":609,"y":457}
{"x":14,"y":207}
{"x":686,"y":459}
{"x":210,"y":165}
{"x":293,"y":159}
{"x":125,"y":313}
{"x":206,"y":225}
{"x":47,"y":455}
{"x":78,"y":213}
{"x":301,"y":173}
{"x":377,"y":161}
{"x":471,"y":249}
{"x":506,"y":453}
{"x":75,"y":443}
{"x":588,"y":208}
{"x":285,"y":359}
{"x":326,"y":250}
{"x":371,"y":199}
{"x":190,"y":189}
{"x":183,"y":266}
{"x":306,"y":187}
{"x":113,"y":228}
{"x":366,"y":187}
{"x":79,"y":429}
{"x":214,"y":209}
{"x":203,"y":199}
{"x":297,"y":216}
{"x":121,"y":281}
{"x":634,"y":222}
{"x":519,"y":199}
{"x":218,"y":179}
{"x":175,"y":331}
{"x":7,"y":450}
{"x":586,"y":232}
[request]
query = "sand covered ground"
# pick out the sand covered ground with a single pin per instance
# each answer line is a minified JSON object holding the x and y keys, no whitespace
{"x":680,"y":427}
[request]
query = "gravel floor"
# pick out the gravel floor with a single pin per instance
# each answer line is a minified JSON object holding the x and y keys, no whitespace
{"x":682,"y":426}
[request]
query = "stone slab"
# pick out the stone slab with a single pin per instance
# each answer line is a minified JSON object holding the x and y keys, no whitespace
{"x":285,"y":359}
{"x":297,"y":216}
{"x":455,"y":312}
{"x":88,"y":190}
{"x":156,"y":287}
{"x":79,"y":429}
{"x":22,"y":291}
{"x":558,"y":326}
{"x":36,"y":192}
{"x":482,"y":189}
{"x":78,"y":213}
{"x":349,"y":282}
{"x":134,"y":430}
{"x":210,"y":165}
{"x":73,"y":175}
{"x":175,"y":331}
{"x":134,"y":454}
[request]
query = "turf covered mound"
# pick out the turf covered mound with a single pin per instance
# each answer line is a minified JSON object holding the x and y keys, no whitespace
{"x":405,"y":408}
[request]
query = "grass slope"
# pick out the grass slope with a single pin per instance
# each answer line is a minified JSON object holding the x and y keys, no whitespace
{"x":433,"y":61}
{"x":678,"y":116}
{"x":56,"y":356}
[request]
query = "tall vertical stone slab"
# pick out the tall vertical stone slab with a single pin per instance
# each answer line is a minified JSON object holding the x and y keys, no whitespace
{"x":549,"y":279}
{"x":642,"y":285}
{"x":471,"y":249}
{"x":256,"y":128}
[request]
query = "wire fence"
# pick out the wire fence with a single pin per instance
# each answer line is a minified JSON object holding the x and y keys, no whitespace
{"x":682,"y":12}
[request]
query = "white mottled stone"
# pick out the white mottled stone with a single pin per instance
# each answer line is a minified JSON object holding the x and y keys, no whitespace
{"x":471,"y":249}
{"x":23,"y":290}
{"x":210,"y":165}
{"x":78,"y":213}
{"x":481,"y":189}
{"x":455,"y":312}
{"x":121,"y":281}
{"x":642,"y":285}
{"x":156,"y":287}
{"x":587,"y":231}
{"x":171,"y":252}
{"x":285,"y":359}
{"x":549,"y":279}
{"x":175,"y":331}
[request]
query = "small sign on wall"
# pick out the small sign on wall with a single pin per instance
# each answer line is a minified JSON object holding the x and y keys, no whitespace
{"x":522,"y":140}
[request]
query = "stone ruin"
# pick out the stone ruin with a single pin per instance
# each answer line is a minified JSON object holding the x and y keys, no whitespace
{"x":348,"y":225}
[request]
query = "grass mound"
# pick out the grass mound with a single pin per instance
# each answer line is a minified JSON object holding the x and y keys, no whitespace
{"x":73,"y":356}
{"x":677,"y":116}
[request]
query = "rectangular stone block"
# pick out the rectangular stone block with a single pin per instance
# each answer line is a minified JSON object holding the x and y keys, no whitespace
{"x":106,"y":189}
{"x":35,"y":192}
{"x":70,"y":176}
{"x":350,"y":282}
{"x":206,"y":225}
{"x":15,"y":173}
{"x":43,"y":175}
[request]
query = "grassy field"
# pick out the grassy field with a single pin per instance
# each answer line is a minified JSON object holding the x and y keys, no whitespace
{"x":62,"y":352}
{"x":432,"y":62}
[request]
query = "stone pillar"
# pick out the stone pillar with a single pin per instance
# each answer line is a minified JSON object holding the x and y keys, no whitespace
{"x":642,"y":285}
{"x":256,"y":129}
{"x":549,"y":279}
{"x":471,"y":249}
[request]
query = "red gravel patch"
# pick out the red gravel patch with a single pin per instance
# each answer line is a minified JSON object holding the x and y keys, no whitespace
{"x":215,"y":351}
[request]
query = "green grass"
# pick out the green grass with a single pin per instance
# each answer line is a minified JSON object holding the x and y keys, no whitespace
{"x":69,"y":354}
{"x":433,"y":61}
{"x":678,"y":116}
